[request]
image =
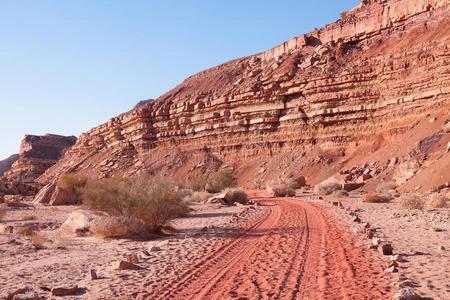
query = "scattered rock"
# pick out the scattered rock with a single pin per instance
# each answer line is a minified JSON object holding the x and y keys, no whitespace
{"x":391,"y":269}
{"x":22,"y":290}
{"x":396,"y":257}
{"x":27,"y":296}
{"x":376,"y":241}
{"x":402,"y":283}
{"x":366,"y":225}
{"x":124,"y":265}
{"x":133,"y":258}
{"x":406,"y":294}
{"x":441,"y":248}
{"x":154,"y":249}
{"x":356,"y":219}
{"x":64,"y":289}
{"x":93,"y":274}
{"x":385,"y":249}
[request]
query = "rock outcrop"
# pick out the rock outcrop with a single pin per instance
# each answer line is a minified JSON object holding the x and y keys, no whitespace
{"x":370,"y":75}
{"x":37,"y":154}
{"x":6,"y":164}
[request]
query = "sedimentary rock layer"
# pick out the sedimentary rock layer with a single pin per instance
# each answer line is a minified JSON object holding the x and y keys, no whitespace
{"x":374,"y":72}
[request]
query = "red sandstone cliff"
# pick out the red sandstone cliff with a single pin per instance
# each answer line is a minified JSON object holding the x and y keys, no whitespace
{"x":37,"y":154}
{"x":359,"y":81}
{"x":6,"y":164}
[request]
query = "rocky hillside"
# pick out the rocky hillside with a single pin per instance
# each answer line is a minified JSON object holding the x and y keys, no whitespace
{"x":316,"y":104}
{"x":37,"y":154}
{"x":6,"y":164}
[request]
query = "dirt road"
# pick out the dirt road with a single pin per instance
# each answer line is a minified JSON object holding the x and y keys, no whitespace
{"x":293,"y":251}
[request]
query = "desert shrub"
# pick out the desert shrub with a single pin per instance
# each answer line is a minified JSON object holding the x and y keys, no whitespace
{"x":377,"y":197}
{"x":220,"y":180}
{"x":291,"y":184}
{"x":197,"y":183}
{"x":237,"y":195}
{"x":386,"y":186}
{"x":327,"y":188}
{"x":23,"y":230}
{"x":340,"y":193}
{"x":281,"y":191}
{"x":37,"y":240}
{"x":61,"y":239}
{"x":437,"y":201}
{"x":73,"y":184}
{"x":344,"y":14}
{"x":199,"y":197}
{"x":28,"y":218}
{"x":411,"y":201}
{"x":150,"y":203}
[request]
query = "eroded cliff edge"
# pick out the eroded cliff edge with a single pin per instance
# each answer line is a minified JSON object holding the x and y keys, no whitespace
{"x":363,"y":79}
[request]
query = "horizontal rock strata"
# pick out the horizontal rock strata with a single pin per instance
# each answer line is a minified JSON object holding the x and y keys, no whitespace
{"x":374,"y":72}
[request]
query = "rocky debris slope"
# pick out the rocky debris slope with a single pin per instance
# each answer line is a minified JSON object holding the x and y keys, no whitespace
{"x":6,"y":164}
{"x":37,"y":154}
{"x":363,"y":78}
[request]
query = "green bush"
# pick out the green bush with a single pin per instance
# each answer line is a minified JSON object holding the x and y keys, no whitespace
{"x":73,"y":184}
{"x":149,"y":202}
{"x":220,"y":180}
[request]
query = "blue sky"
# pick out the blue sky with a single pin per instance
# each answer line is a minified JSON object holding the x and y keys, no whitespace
{"x":67,"y":66}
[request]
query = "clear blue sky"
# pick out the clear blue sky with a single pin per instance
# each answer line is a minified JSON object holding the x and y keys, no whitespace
{"x":69,"y":65}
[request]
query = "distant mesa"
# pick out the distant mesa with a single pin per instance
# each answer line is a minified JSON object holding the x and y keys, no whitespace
{"x":6,"y":164}
{"x":37,"y":154}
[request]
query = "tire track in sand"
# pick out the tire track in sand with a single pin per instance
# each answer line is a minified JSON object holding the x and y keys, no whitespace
{"x":294,"y":251}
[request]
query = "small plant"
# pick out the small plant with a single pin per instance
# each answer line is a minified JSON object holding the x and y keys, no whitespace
{"x":437,"y":201}
{"x":385,"y":187}
{"x":28,"y":218}
{"x":340,"y":193}
{"x":197,"y":183}
{"x":220,"y":180}
{"x":23,"y":230}
{"x":73,"y":184}
{"x":198,"y":197}
{"x":327,"y":188}
{"x":237,"y":195}
{"x":344,"y":14}
{"x":37,"y":240}
{"x":292,"y":185}
{"x":377,"y":198}
{"x":2,"y":213}
{"x":434,"y":189}
{"x":411,"y":201}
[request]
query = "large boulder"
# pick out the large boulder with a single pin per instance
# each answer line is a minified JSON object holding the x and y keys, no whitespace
{"x":61,"y":197}
{"x":80,"y":221}
{"x":45,"y":194}
{"x":300,"y":180}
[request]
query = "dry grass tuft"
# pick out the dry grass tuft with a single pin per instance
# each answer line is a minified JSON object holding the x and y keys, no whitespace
{"x":327,"y":188}
{"x":437,"y":201}
{"x":197,"y":183}
{"x":198,"y":197}
{"x":411,"y":201}
{"x":340,"y":193}
{"x":293,"y":185}
{"x":385,"y":187}
{"x":23,"y":230}
{"x":281,"y":191}
{"x":220,"y":180}
{"x":377,"y":198}
{"x":140,"y":200}
{"x":2,"y":213}
{"x":237,"y":195}
{"x":28,"y":218}
{"x":38,"y":240}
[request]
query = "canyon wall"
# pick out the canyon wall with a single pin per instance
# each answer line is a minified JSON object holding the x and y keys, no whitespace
{"x":37,"y":154}
{"x":375,"y":72}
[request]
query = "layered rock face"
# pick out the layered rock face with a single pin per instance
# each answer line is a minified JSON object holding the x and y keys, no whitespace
{"x":6,"y":164}
{"x":37,"y":154}
{"x":373,"y":73}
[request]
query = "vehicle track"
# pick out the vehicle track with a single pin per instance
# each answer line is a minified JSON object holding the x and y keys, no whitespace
{"x":293,"y":251}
